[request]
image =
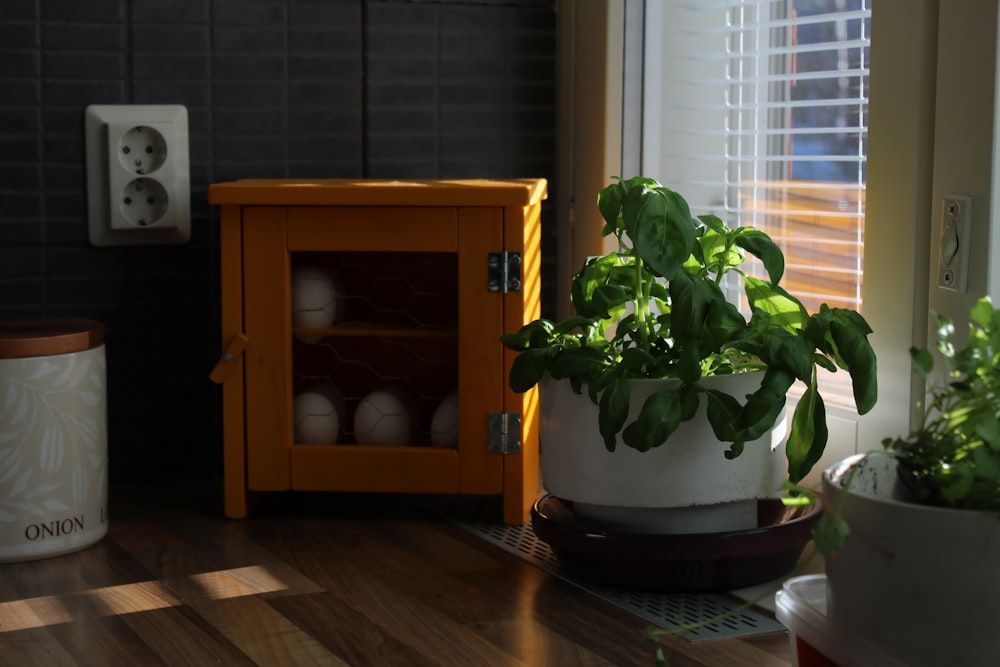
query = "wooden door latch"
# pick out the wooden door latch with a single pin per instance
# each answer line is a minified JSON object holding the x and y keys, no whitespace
{"x":233,"y":351}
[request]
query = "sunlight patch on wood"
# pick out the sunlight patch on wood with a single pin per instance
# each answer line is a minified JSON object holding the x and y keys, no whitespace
{"x":138,"y":597}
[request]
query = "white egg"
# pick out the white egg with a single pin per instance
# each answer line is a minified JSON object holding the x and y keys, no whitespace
{"x":382,"y":418}
{"x":314,"y":300}
{"x":317,"y":417}
{"x":444,"y":423}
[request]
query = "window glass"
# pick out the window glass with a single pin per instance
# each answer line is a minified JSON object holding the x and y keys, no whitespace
{"x":756,"y":110}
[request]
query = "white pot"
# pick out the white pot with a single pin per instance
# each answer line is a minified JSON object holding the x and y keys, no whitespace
{"x":922,"y":583}
{"x":685,"y":485}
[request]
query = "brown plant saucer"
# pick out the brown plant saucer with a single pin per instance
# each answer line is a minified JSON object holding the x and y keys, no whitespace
{"x":677,"y":563}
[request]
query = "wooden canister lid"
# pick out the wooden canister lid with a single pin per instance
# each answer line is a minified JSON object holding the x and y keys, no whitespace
{"x":38,"y":337}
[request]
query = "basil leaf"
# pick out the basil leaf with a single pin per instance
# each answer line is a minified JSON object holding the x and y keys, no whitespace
{"x":859,"y":359}
{"x":528,"y":368}
{"x":784,"y":309}
{"x":659,"y":417}
{"x":760,"y":245}
{"x":613,"y":412}
{"x":808,"y":434}
{"x":663,"y":232}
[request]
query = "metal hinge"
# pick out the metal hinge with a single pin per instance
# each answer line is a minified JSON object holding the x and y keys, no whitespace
{"x":505,"y":433}
{"x":505,"y":271}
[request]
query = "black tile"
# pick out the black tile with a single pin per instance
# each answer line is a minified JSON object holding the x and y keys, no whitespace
{"x":19,"y":64}
{"x":398,"y":120}
{"x":83,"y":38}
{"x":242,"y":121}
{"x":332,"y":93}
{"x":324,"y":67}
{"x":70,"y":176}
{"x":70,"y":205}
{"x":420,"y":68}
{"x":241,"y":12}
{"x":318,"y":148}
{"x":332,"y":166}
{"x":165,"y":91}
{"x":402,"y":43}
{"x":248,"y":66}
{"x":324,"y":40}
{"x":18,"y":36}
{"x":21,"y":263}
{"x":170,"y":65}
{"x":402,"y":147}
{"x":250,"y":39}
{"x":80,"y":290}
{"x":19,"y":120}
{"x":170,"y":11}
{"x":170,"y":37}
{"x":19,"y":10}
{"x":420,"y":16}
{"x":248,"y":94}
{"x":22,"y":296}
{"x":91,"y":11}
{"x":77,"y":65}
{"x":20,"y":149}
{"x":345,"y":13}
{"x":321,"y":121}
{"x":22,"y":233}
{"x":71,"y":92}
{"x":20,"y":93}
{"x":403,"y":169}
{"x":62,"y":120}
{"x":402,"y":97}
{"x":20,"y":178}
{"x":250,"y":147}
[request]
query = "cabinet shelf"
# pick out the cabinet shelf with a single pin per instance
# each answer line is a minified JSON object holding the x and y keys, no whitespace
{"x":351,"y":330}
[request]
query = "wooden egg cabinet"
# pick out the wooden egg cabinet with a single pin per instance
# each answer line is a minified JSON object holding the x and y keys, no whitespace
{"x":426,"y":276}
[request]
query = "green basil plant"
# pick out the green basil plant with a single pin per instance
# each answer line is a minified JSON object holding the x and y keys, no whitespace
{"x":656,"y":309}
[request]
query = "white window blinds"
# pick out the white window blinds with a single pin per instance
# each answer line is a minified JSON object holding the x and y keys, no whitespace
{"x":756,"y":110}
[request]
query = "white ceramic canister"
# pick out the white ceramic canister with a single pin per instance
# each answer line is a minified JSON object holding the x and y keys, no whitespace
{"x":53,"y":437}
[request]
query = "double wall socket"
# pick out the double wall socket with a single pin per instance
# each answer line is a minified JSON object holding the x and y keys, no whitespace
{"x":138,"y":174}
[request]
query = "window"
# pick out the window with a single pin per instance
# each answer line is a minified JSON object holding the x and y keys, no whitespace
{"x":756,"y":110}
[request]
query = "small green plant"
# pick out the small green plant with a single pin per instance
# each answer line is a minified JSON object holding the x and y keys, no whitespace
{"x":953,"y":458}
{"x":656,"y":309}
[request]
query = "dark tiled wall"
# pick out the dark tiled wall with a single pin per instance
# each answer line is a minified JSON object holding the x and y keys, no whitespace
{"x":274,"y":88}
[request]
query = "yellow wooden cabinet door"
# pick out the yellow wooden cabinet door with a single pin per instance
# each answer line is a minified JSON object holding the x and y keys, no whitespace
{"x":521,"y":483}
{"x":480,"y":232}
{"x":267,"y":314}
{"x":395,"y":331}
{"x":492,"y":463}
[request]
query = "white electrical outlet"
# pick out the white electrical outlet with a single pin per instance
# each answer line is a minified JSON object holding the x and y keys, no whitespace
{"x":138,"y":174}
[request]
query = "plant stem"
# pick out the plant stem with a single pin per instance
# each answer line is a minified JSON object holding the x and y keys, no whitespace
{"x":641,"y":304}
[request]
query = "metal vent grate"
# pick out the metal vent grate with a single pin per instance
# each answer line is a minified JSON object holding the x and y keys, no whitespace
{"x":480,"y":516}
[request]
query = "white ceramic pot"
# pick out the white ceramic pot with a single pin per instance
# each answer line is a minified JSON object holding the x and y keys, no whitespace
{"x":920,"y":582}
{"x":686,"y":485}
